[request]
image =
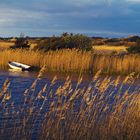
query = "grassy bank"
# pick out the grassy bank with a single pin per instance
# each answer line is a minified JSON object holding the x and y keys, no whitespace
{"x":5,"y":44}
{"x":106,"y":109}
{"x":102,"y":49}
{"x":73,"y":61}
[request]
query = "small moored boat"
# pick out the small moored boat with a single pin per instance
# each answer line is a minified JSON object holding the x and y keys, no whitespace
{"x":18,"y":66}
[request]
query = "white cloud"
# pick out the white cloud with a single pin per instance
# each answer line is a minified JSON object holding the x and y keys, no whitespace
{"x":90,"y":2}
{"x":133,"y":1}
{"x":11,"y":16}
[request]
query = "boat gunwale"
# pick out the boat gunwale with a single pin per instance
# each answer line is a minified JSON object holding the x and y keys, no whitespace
{"x":17,"y":65}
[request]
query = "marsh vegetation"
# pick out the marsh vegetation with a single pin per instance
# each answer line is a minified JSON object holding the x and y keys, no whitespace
{"x":105,"y":108}
{"x":73,"y":61}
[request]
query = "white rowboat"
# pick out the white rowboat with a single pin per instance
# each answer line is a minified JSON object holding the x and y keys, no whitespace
{"x":18,"y":66}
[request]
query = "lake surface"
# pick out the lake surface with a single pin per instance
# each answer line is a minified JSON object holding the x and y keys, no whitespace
{"x":20,"y":81}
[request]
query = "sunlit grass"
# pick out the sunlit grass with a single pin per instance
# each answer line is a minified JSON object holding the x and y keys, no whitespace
{"x":5,"y":45}
{"x":73,"y":61}
{"x":109,"y":49}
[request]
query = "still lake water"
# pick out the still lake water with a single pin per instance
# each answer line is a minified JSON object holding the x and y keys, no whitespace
{"x":20,"y":81}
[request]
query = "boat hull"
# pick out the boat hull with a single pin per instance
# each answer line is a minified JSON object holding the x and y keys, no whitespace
{"x":18,"y":66}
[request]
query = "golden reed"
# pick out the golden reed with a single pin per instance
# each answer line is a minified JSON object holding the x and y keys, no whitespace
{"x":73,"y":61}
{"x":103,"y":110}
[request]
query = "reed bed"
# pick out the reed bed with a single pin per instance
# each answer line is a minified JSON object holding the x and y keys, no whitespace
{"x":105,"y":109}
{"x":73,"y":61}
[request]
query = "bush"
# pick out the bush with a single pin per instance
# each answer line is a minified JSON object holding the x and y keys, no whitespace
{"x":21,"y":43}
{"x":66,"y":41}
{"x":135,"y":48}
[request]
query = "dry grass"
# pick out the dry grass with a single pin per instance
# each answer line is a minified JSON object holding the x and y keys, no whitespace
{"x":103,"y":110}
{"x":5,"y":45}
{"x":64,"y":60}
{"x":73,"y":61}
{"x":109,"y":49}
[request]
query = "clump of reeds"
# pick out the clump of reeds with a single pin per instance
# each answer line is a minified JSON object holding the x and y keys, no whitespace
{"x":73,"y":61}
{"x":106,"y":108}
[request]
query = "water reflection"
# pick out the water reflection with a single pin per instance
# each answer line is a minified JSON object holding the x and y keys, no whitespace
{"x":48,"y":75}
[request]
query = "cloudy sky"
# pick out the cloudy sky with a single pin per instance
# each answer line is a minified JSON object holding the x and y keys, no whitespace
{"x":112,"y":18}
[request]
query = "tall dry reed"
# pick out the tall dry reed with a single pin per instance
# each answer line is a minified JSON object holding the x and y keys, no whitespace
{"x":105,"y":109}
{"x":73,"y":61}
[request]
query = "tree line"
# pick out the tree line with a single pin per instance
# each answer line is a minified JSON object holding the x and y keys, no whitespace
{"x":65,"y":41}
